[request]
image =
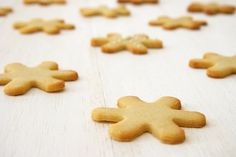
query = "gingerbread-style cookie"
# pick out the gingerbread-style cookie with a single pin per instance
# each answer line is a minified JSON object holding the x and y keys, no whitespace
{"x":162,"y":118}
{"x":103,"y":10}
{"x":137,"y":44}
{"x":19,"y":78}
{"x":37,"y":25}
{"x":5,"y":11}
{"x":44,"y":2}
{"x":211,"y":8}
{"x":218,"y":66}
{"x":181,"y":22}
{"x":138,"y":1}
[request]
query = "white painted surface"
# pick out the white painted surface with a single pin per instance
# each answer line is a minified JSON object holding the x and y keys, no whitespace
{"x":39,"y":124}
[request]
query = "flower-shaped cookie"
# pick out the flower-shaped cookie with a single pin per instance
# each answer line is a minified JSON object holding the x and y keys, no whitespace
{"x":138,"y":1}
{"x":37,"y":25}
{"x":162,"y":118}
{"x":103,"y":10}
{"x":44,"y":2}
{"x":137,"y":44}
{"x":211,"y":8}
{"x":19,"y":78}
{"x":218,"y":66}
{"x":5,"y":11}
{"x":181,"y":22}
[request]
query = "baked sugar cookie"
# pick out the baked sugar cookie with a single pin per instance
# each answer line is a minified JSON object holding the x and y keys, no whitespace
{"x":5,"y":11}
{"x":211,"y":8}
{"x":162,"y":118}
{"x":18,"y":78}
{"x":218,"y":66}
{"x":137,"y":44}
{"x":53,"y":26}
{"x":174,"y":23}
{"x":44,"y":2}
{"x":103,"y":10}
{"x":138,"y":1}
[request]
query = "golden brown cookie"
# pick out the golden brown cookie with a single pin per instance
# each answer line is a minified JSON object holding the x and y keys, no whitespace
{"x":137,"y":44}
{"x":218,"y":66}
{"x":44,"y":2}
{"x":162,"y":118}
{"x":181,"y":22}
{"x":103,"y":10}
{"x":138,"y":1}
{"x":37,"y":25}
{"x":19,"y":78}
{"x":211,"y":8}
{"x":5,"y":11}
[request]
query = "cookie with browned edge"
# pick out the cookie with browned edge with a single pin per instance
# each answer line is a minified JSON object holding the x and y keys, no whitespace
{"x":180,"y":22}
{"x":211,"y":8}
{"x":162,"y":118}
{"x":137,"y":44}
{"x":218,"y":66}
{"x":18,"y":78}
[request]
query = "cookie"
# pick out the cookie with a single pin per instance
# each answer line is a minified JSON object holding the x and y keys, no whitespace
{"x":181,"y":22}
{"x":105,"y":11}
{"x":211,"y":8}
{"x":218,"y":66}
{"x":44,"y":2}
{"x":5,"y":11}
{"x":37,"y":25}
{"x":19,"y":78}
{"x":138,"y":1}
{"x":137,"y":44}
{"x":162,"y":118}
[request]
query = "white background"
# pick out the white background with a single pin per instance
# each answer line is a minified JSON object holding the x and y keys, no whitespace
{"x":40,"y":124}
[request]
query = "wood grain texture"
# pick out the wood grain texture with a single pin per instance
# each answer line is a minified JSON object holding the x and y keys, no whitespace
{"x":39,"y":124}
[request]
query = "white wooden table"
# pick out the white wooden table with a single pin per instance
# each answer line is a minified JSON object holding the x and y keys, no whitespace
{"x":39,"y":124}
